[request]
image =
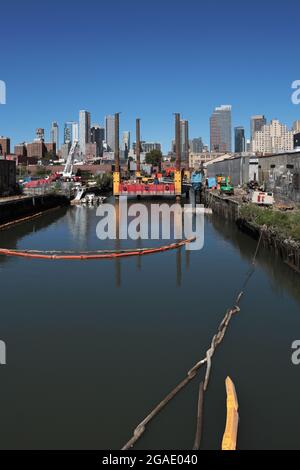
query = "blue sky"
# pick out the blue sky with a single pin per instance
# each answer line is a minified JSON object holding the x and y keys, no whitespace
{"x":148,"y":59}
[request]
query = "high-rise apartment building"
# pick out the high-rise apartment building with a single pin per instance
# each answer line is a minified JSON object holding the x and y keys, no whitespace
{"x":196,"y":145}
{"x":84,"y":130}
{"x":54,"y":134}
{"x":110,"y":132}
{"x":4,"y":145}
{"x":147,"y":147}
{"x":256,"y":124}
{"x":71,"y":132}
{"x":126,"y":140}
{"x":20,"y":150}
{"x":125,"y":145}
{"x":296,"y":126}
{"x":239,"y":139}
{"x":184,"y":140}
{"x":273,"y":138}
{"x":220,"y":129}
{"x":97,"y":137}
{"x":39,"y":135}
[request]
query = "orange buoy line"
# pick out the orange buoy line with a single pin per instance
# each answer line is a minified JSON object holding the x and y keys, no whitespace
{"x":88,"y":255}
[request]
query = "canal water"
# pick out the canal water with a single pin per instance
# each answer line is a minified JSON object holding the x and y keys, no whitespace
{"x":92,"y":346}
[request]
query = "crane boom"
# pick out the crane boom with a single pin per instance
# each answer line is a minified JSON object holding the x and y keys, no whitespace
{"x":68,"y":170}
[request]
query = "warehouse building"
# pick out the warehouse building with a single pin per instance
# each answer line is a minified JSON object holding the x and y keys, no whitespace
{"x":227,"y":165}
{"x":279,"y":173}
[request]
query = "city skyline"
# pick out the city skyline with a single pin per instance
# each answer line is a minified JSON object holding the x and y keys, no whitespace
{"x":70,"y":131}
{"x":39,"y":99}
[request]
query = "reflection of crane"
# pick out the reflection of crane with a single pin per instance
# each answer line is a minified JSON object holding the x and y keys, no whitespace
{"x":67,"y":173}
{"x":78,"y":225}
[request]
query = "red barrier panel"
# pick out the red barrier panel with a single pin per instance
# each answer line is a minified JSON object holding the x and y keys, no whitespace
{"x":133,"y":188}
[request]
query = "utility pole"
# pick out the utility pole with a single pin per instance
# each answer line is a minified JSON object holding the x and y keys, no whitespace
{"x":138,"y":148}
{"x":177,"y":176}
{"x":116,"y":175}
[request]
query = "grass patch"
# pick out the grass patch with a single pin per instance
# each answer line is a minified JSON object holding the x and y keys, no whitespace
{"x":285,"y":224}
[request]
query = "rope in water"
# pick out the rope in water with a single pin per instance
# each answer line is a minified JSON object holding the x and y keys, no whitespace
{"x":88,"y":255}
{"x":191,"y":374}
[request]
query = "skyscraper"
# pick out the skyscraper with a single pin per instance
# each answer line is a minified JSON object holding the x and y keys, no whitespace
{"x":97,"y":137}
{"x":54,"y":135}
{"x":71,"y":132}
{"x":239,"y":139}
{"x":220,"y":129}
{"x":196,"y":145}
{"x":110,"y":132}
{"x":84,"y":130}
{"x":257,"y":123}
{"x":125,"y":143}
{"x":184,"y":139}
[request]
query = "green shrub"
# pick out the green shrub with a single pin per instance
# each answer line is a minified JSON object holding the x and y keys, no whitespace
{"x":286,"y":224}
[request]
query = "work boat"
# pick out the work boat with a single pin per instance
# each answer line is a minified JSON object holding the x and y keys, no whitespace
{"x":91,"y":198}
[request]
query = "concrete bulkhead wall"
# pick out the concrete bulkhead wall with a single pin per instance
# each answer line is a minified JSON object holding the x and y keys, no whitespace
{"x":12,"y":210}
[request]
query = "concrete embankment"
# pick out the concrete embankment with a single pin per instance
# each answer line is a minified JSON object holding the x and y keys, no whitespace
{"x":14,"y":210}
{"x":229,"y":208}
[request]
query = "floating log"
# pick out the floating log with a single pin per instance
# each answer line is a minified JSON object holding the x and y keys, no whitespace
{"x":232,"y":421}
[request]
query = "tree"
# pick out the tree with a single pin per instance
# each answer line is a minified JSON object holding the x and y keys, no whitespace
{"x":104,"y":181}
{"x":42,"y":171}
{"x":48,"y":157}
{"x":154,"y":157}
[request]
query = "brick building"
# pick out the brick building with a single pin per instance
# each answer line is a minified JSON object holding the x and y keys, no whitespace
{"x":7,"y":177}
{"x":20,"y":150}
{"x":39,"y":149}
{"x":4,"y":145}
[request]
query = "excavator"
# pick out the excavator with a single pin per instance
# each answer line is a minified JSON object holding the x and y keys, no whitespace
{"x":225,"y":186}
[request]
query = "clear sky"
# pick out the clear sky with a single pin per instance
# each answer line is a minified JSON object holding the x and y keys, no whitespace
{"x":147,"y":59}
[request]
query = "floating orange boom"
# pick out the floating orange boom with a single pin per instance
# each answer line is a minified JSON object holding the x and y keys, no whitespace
{"x":54,"y":255}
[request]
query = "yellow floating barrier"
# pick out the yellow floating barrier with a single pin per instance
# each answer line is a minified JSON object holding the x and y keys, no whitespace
{"x":232,"y":421}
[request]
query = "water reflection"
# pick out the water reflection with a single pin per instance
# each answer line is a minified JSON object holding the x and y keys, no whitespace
{"x":154,"y":327}
{"x":283,"y":277}
{"x":10,"y":237}
{"x":178,"y":267}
